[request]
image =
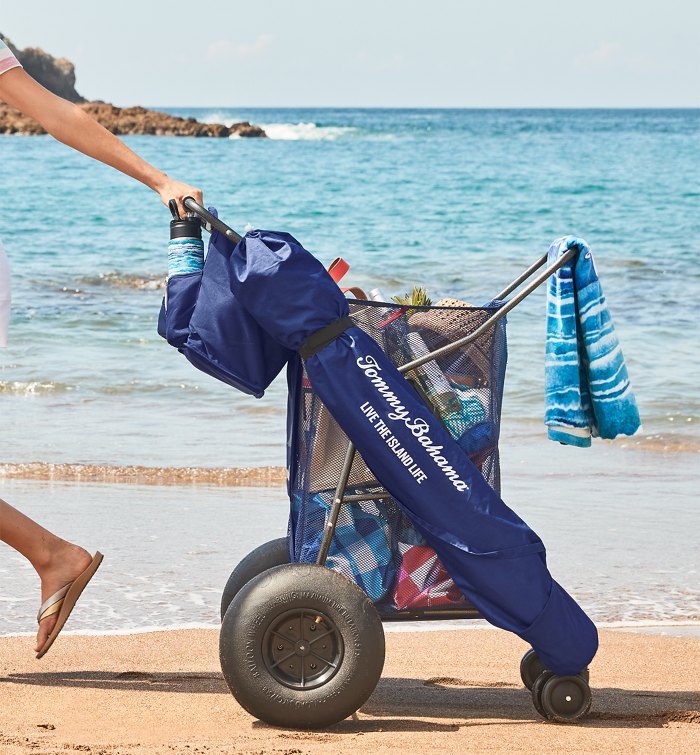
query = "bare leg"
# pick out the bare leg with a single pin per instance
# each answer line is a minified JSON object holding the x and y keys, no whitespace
{"x":57,"y":562}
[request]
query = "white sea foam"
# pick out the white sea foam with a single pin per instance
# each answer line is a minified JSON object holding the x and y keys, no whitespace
{"x":31,"y":388}
{"x":301,"y":131}
{"x":669,"y":624}
{"x":305,"y":131}
{"x":218,"y":117}
{"x":123,"y":632}
{"x":647,"y":627}
{"x":650,"y":627}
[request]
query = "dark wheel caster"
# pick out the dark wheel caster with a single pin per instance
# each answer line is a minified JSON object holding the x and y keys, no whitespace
{"x":562,"y":699}
{"x":264,"y":557}
{"x":301,"y":647}
{"x":531,"y":667}
{"x":537,"y":691}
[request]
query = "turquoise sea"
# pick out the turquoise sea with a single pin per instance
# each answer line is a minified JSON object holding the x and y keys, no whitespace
{"x":459,"y":201}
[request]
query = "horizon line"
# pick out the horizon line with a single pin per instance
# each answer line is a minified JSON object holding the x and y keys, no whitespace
{"x":431,"y":107}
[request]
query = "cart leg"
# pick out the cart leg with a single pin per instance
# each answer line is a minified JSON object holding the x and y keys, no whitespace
{"x":335,"y":507}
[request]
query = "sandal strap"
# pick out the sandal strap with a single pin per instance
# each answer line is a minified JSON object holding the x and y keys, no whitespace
{"x":53,"y":604}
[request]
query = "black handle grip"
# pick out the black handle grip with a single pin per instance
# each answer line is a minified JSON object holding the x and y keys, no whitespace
{"x":209,"y":221}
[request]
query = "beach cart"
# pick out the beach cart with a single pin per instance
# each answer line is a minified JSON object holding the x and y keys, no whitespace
{"x":376,"y":532}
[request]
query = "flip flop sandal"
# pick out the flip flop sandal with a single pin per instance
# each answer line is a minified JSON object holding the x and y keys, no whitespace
{"x":63,"y":602}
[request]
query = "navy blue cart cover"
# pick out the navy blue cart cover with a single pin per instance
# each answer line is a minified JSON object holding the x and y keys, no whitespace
{"x":495,"y":559}
{"x":203,"y":320}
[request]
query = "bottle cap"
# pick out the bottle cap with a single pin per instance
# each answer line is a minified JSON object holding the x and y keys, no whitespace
{"x":188,"y":227}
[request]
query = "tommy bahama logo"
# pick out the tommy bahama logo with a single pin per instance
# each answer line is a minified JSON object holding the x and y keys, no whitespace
{"x":418,"y":427}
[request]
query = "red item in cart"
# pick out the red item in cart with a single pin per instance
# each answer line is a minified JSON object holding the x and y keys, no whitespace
{"x":423,"y":581}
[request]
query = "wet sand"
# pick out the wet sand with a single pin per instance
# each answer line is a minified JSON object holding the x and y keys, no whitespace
{"x":460,"y":692}
{"x":137,"y":475}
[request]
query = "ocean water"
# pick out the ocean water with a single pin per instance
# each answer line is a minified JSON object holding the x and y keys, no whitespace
{"x":622,"y":544}
{"x":460,"y":201}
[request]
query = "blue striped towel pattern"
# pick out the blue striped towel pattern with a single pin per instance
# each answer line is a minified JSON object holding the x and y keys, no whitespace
{"x":587,"y":389}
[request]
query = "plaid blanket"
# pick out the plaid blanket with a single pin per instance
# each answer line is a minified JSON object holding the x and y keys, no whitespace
{"x":361,"y":546}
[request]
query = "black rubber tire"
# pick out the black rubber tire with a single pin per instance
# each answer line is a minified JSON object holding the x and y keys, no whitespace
{"x":264,"y":557}
{"x":530,"y":668}
{"x":565,"y":699}
{"x":293,"y":695}
{"x":545,"y":676}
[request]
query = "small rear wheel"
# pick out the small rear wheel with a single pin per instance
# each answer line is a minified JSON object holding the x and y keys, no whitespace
{"x":562,"y":699}
{"x":537,"y":691}
{"x":301,"y":646}
{"x":264,"y":557}
{"x":531,"y":667}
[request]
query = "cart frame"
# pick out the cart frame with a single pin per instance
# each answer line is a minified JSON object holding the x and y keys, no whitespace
{"x":340,"y":497}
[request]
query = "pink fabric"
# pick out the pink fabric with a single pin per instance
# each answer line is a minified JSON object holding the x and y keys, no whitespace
{"x":8,"y":63}
{"x":7,"y":58}
{"x":423,"y":581}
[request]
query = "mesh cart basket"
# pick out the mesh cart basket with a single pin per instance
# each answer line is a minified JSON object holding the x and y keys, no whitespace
{"x":374,"y":543}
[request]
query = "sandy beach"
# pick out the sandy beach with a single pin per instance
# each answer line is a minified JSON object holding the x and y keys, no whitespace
{"x":460,"y":692}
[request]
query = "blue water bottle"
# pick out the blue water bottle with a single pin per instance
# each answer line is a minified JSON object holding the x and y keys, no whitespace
{"x":186,"y":248}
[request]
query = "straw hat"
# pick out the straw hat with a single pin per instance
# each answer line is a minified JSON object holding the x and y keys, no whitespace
{"x":456,"y":320}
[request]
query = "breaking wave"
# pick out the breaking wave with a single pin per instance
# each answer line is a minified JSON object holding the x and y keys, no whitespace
{"x":301,"y":131}
{"x":32,"y":387}
{"x":306,"y":131}
{"x":124,"y":280}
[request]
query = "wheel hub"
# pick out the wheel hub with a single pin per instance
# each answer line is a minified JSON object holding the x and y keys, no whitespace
{"x":302,"y":648}
{"x":565,"y":698}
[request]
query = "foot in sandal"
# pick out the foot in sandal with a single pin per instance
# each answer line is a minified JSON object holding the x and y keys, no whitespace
{"x":63,"y":578}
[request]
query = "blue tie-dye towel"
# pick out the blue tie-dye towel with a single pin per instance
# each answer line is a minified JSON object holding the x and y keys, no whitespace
{"x":587,"y":390}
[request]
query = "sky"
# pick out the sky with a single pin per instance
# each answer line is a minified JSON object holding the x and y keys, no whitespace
{"x":371,"y":53}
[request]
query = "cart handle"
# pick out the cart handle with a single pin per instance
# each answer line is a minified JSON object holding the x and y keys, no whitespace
{"x":210,"y":221}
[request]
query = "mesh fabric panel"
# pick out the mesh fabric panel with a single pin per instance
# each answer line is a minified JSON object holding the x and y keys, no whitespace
{"x":374,"y":543}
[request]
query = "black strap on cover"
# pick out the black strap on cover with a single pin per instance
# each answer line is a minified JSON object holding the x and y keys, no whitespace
{"x":316,"y":341}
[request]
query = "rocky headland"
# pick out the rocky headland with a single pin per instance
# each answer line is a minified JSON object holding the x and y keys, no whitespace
{"x":58,"y":76}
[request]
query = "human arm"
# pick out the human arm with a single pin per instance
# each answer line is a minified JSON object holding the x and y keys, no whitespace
{"x":72,"y":126}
